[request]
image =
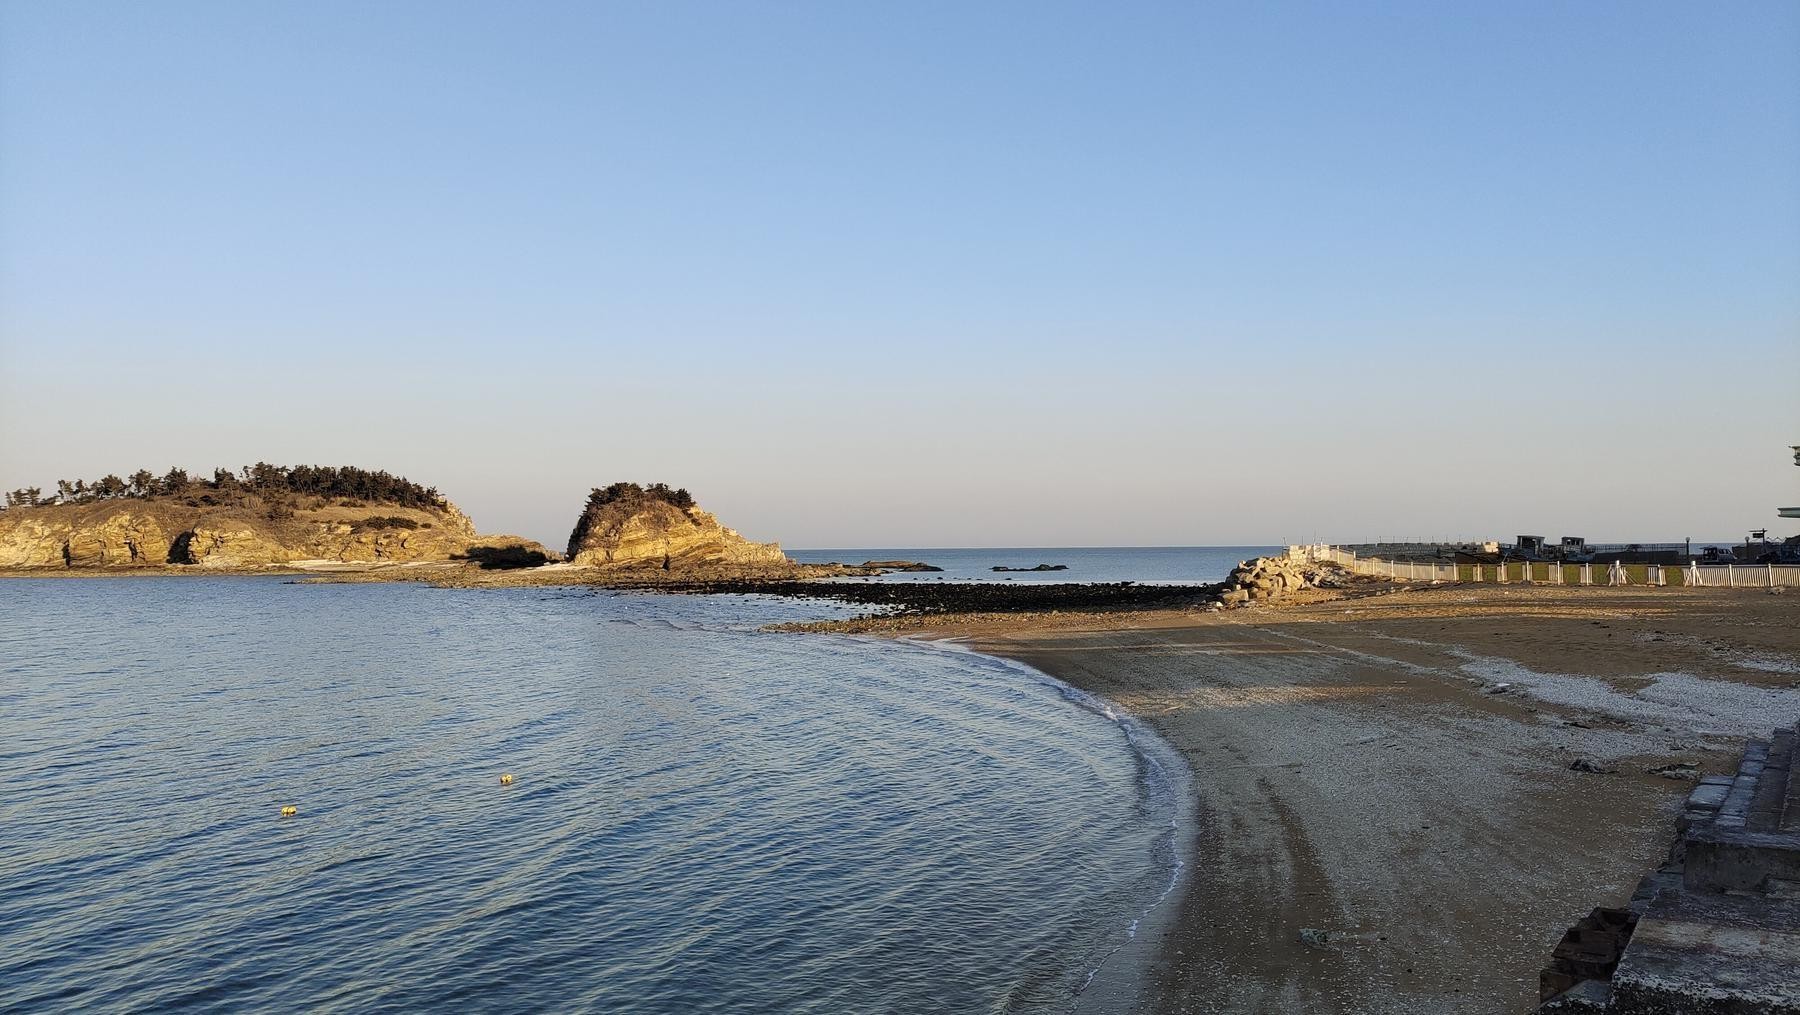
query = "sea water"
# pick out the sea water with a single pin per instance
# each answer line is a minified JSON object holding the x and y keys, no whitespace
{"x":703,"y":816}
{"x":1179,"y":565}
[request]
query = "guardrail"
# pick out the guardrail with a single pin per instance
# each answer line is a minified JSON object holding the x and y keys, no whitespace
{"x":1740,"y":576}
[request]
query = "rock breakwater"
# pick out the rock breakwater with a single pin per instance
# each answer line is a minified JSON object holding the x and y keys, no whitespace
{"x":1274,"y":577}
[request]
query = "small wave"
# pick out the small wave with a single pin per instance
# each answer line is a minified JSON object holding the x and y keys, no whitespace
{"x":1156,"y":758}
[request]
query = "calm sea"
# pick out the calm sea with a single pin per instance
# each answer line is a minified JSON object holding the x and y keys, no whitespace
{"x":1163,"y":564}
{"x":704,"y":817}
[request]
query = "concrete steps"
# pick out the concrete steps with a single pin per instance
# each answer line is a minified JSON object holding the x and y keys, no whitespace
{"x":1715,"y":930}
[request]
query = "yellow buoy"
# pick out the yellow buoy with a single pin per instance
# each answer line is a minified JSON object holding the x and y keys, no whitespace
{"x":506,"y":780}
{"x":289,"y":811}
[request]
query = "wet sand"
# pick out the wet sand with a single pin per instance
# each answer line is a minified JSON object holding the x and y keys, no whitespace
{"x":1394,"y":770}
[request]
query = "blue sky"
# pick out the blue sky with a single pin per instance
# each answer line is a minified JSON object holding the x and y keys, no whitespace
{"x":928,"y":274}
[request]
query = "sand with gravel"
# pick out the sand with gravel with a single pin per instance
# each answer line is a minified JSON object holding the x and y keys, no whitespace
{"x":1393,"y":770}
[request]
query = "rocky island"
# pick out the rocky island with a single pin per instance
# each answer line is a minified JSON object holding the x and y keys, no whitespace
{"x":627,"y":525}
{"x":261,"y":517}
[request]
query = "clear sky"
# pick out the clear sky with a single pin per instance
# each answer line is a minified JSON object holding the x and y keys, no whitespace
{"x":923,"y":273}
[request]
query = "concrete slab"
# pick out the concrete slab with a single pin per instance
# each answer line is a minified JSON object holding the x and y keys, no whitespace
{"x":1717,"y":955}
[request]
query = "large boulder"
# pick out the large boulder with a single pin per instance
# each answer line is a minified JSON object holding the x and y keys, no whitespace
{"x":1271,"y":578}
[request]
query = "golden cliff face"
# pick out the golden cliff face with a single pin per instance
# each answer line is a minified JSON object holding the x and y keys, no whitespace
{"x":662,"y":535}
{"x":131,"y":533}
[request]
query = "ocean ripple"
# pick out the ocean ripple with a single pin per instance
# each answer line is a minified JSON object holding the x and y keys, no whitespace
{"x":704,"y":818}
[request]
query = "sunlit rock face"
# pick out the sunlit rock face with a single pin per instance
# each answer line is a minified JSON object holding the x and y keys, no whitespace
{"x":626,"y":526}
{"x":146,"y":533}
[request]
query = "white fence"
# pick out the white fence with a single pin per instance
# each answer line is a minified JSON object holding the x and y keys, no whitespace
{"x":1740,"y":576}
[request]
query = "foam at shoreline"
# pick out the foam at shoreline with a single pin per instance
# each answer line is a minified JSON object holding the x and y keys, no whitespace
{"x":1166,"y":781}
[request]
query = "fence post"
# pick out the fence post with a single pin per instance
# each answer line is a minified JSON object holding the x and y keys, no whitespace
{"x":1771,"y":574}
{"x":1659,"y":575}
{"x":1587,"y":574}
{"x":1730,"y":578}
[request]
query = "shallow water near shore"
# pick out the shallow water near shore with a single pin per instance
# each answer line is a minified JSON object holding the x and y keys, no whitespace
{"x":704,"y":817}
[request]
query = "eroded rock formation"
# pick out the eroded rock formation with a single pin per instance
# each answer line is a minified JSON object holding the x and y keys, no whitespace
{"x":625,"y":525}
{"x":139,"y":533}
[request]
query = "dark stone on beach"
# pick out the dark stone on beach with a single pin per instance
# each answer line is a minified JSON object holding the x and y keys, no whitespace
{"x":1040,"y":567}
{"x":1677,"y":770}
{"x":1591,"y":767}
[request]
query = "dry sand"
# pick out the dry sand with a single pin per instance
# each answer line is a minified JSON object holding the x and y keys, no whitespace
{"x":1394,"y":770}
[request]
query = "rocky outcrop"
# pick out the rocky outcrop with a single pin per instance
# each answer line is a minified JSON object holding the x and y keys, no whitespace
{"x":31,"y":542}
{"x":121,"y":540}
{"x":659,"y":534}
{"x":232,"y":547}
{"x":41,"y":538}
{"x":152,"y":532}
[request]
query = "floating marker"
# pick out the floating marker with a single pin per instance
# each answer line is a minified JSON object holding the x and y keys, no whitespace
{"x":506,"y":780}
{"x":289,"y":811}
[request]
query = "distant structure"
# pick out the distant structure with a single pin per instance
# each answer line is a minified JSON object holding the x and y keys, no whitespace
{"x":1793,"y":512}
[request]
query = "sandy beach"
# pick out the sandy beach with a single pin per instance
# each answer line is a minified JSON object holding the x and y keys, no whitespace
{"x":1394,"y":770}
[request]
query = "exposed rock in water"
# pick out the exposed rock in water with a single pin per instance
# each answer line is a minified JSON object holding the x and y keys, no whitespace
{"x":899,"y":565}
{"x":504,"y":553}
{"x":1040,"y":567}
{"x":626,"y":525}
